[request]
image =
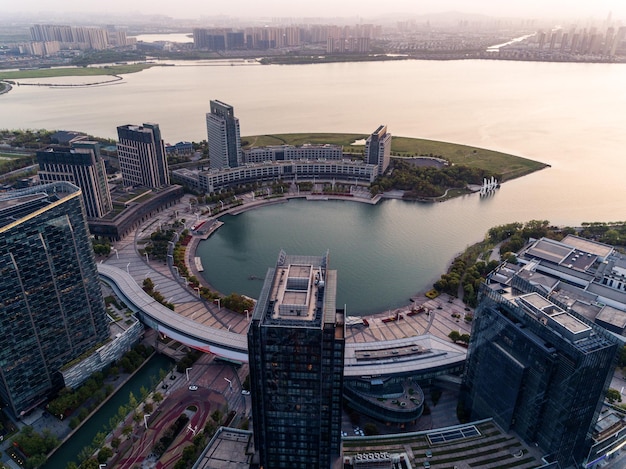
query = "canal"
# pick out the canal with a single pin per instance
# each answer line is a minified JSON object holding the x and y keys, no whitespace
{"x":146,"y":377}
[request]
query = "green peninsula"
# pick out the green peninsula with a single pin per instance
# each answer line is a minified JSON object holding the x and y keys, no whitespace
{"x":453,"y":167}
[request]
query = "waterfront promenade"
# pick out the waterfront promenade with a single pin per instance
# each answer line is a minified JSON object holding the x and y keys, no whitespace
{"x":125,"y":256}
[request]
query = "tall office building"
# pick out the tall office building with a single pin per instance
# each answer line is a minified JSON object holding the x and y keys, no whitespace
{"x":223,"y":136}
{"x":378,"y":149}
{"x":51,"y":305}
{"x":141,"y":153}
{"x":83,"y":166}
{"x":539,"y":371}
{"x":296,"y":347}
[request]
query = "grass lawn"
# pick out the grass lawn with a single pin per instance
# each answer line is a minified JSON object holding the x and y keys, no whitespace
{"x":508,"y":166}
{"x":75,"y":71}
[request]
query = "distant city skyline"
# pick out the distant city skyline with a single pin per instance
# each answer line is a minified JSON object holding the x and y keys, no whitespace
{"x":368,"y":10}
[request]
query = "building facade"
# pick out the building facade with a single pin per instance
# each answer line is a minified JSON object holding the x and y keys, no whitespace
{"x":223,"y":136}
{"x":51,"y":304}
{"x":299,"y":170}
{"x":539,"y":371}
{"x":378,"y":149}
{"x":296,"y":347}
{"x":142,"y":157}
{"x":292,"y":152}
{"x":82,"y":165}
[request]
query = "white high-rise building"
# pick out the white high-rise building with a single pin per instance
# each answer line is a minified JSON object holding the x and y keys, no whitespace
{"x":141,"y":153}
{"x":83,"y":166}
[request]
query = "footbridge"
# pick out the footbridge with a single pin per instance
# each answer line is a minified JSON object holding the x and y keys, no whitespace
{"x":153,"y":314}
{"x":414,"y":355}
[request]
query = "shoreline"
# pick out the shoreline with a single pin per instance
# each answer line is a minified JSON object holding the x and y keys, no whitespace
{"x":191,"y":249}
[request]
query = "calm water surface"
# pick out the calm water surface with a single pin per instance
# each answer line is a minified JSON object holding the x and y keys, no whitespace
{"x":383,"y":254}
{"x":570,"y":116}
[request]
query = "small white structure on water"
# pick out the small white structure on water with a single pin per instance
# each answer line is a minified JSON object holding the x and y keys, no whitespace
{"x":489,"y":185}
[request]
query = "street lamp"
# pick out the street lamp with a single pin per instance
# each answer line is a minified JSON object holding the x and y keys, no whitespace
{"x":127,"y":268}
{"x":145,"y":420}
{"x":247,"y":314}
{"x":197,"y":289}
{"x":187,"y":373}
{"x":219,"y":304}
{"x":230,"y":383}
{"x":147,"y":258}
{"x":176,"y":268}
{"x":117,"y":256}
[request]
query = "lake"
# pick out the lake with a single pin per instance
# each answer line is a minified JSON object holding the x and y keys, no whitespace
{"x":570,"y":116}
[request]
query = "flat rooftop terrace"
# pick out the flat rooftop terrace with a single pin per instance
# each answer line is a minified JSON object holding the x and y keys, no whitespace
{"x":295,"y":291}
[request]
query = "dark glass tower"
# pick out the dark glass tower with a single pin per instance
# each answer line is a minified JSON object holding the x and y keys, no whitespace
{"x":223,"y":136}
{"x":51,"y":305}
{"x":296,"y":348}
{"x":539,"y":371}
{"x":378,"y":149}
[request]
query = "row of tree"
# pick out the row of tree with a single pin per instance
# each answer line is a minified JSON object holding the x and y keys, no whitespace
{"x":428,"y":181}
{"x":94,"y":390}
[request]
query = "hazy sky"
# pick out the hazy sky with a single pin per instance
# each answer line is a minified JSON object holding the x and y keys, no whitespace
{"x":598,"y":9}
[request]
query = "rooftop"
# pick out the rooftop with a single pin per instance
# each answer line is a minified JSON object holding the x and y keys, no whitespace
{"x":300,"y":291}
{"x":296,"y":286}
{"x":398,"y":356}
{"x":18,"y":205}
{"x":588,"y":246}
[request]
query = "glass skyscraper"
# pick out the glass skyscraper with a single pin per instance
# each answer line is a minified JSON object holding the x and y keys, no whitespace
{"x":296,"y":347}
{"x":51,"y":304}
{"x":538,"y":370}
{"x":223,"y":136}
{"x":378,"y":149}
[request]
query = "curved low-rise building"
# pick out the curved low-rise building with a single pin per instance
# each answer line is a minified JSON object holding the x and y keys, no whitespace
{"x":379,"y":376}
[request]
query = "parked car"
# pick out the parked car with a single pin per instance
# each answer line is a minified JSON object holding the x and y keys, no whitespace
{"x":193,"y":387}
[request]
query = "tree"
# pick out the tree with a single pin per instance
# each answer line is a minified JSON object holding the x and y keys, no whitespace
{"x":216,"y":416}
{"x":104,"y":454}
{"x":127,"y":430}
{"x":115,"y":442}
{"x":90,"y":464}
{"x":454,"y":335}
{"x":613,"y":395}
